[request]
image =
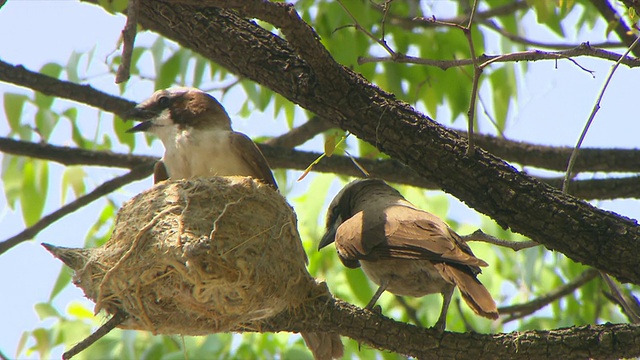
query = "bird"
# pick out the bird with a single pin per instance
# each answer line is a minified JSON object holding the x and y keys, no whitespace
{"x":403,"y":249}
{"x":196,"y":132}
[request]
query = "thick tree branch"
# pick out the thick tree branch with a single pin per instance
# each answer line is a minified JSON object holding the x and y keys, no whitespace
{"x":309,"y":76}
{"x":609,"y":341}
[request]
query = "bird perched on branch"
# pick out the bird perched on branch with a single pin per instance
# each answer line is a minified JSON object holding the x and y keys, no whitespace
{"x":197,"y":136}
{"x":196,"y":133}
{"x":404,"y":250}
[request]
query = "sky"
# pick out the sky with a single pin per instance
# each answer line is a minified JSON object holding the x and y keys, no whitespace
{"x":554,"y":102}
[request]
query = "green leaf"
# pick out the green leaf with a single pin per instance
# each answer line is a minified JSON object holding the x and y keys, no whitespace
{"x":120,"y":128}
{"x":504,"y":88}
{"x":35,"y":182}
{"x":12,"y":177}
{"x":198,"y":70}
{"x":359,"y":284}
{"x":72,"y":115}
{"x":46,"y":120}
{"x":79,"y":311}
{"x":13,"y":106}
{"x":64,"y":279}
{"x":46,"y":310}
{"x":43,"y":342}
{"x":73,"y":177}
{"x":169,"y":71}
{"x":53,"y":70}
{"x":297,"y":352}
{"x":72,"y":67}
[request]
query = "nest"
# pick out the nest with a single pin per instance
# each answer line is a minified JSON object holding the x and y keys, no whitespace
{"x":198,"y":256}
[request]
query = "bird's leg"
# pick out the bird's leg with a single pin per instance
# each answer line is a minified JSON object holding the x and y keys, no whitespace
{"x":441,"y":324}
{"x":381,"y":289}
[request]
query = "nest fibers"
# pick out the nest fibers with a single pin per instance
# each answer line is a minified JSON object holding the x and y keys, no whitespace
{"x":198,"y":256}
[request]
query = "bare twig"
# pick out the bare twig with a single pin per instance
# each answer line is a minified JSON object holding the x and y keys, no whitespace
{"x":621,"y":29}
{"x":539,"y":44}
{"x":629,"y":306}
{"x":128,"y":39}
{"x":467,"y":325}
{"x":479,"y":235}
{"x":530,"y":55}
{"x":521,"y":310}
{"x":117,"y":319}
{"x":477,"y":72}
{"x":29,"y":233}
{"x":596,"y":107}
{"x":411,"y":312}
{"x":300,"y":135}
{"x":359,"y":27}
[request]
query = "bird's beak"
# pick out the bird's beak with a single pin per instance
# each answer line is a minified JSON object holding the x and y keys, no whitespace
{"x":142,"y":114}
{"x":143,"y":126}
{"x":329,"y":236}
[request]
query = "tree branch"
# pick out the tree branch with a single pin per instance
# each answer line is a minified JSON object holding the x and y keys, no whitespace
{"x":609,"y":341}
{"x":545,"y":157}
{"x":521,"y":310}
{"x":29,"y":233}
{"x":284,"y":158}
{"x":621,"y":29}
{"x":301,"y":134}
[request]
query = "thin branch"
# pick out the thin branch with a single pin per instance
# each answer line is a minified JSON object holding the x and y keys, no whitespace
{"x":477,"y":72}
{"x":521,"y":310}
{"x":583,"y":49}
{"x":128,"y":39}
{"x":117,"y":319}
{"x":85,"y":94}
{"x":479,"y":235}
{"x":359,"y":27}
{"x":611,"y":17}
{"x":108,"y":187}
{"x":389,"y":169}
{"x":467,"y":325}
{"x":409,"y":310}
{"x":545,"y":157}
{"x":596,"y":107}
{"x":301,"y":134}
{"x":630,"y":308}
{"x":539,"y":44}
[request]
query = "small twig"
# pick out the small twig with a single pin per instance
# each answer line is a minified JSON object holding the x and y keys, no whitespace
{"x":117,"y":319}
{"x":621,"y":299}
{"x":357,"y":25}
{"x":107,"y":187}
{"x":521,"y":310}
{"x":467,"y":325}
{"x":479,"y":235}
{"x":530,"y":55}
{"x":477,"y":72}
{"x":411,"y":312}
{"x":2,"y":355}
{"x":128,"y":39}
{"x":596,"y":107}
{"x":301,"y":134}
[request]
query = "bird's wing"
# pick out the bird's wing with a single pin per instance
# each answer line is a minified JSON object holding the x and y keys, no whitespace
{"x":249,"y":152}
{"x":402,"y":233}
{"x":159,"y":172}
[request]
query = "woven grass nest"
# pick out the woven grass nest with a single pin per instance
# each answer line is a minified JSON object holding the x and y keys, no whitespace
{"x":195,"y":257}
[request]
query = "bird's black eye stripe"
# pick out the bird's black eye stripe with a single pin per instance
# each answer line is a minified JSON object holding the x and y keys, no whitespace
{"x":163,"y":101}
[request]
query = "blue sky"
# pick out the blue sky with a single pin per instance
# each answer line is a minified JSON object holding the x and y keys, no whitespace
{"x":555,"y":101}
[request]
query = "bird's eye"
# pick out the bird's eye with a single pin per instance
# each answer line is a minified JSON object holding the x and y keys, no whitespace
{"x":163,"y":101}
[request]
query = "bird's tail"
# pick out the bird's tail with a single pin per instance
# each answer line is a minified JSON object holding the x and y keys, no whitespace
{"x":473,"y":292}
{"x":324,"y":346}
